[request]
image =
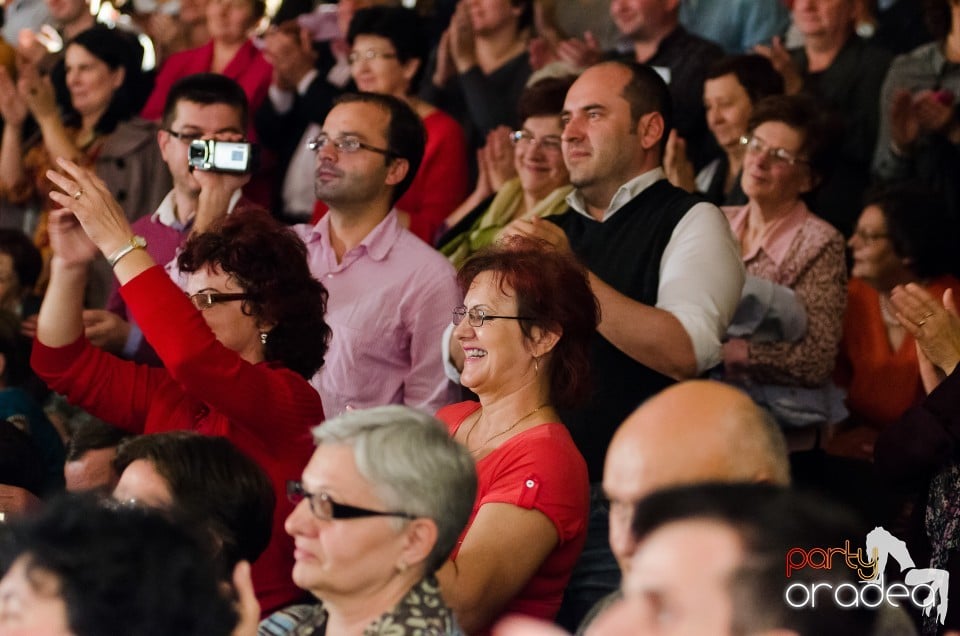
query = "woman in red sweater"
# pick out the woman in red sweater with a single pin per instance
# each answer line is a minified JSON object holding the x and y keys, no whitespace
{"x":237,"y":350}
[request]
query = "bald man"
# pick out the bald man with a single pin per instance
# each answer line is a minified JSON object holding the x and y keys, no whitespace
{"x":692,"y":432}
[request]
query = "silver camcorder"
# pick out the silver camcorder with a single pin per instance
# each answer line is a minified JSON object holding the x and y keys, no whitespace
{"x":222,"y":156}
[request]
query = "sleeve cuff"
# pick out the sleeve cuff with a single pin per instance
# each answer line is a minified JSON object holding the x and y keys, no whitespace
{"x":134,"y":339}
{"x":448,"y":367}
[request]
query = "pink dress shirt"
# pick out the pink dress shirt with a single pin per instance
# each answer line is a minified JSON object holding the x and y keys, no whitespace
{"x":390,"y":300}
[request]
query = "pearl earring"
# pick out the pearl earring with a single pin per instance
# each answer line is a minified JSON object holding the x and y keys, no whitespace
{"x":263,"y":337}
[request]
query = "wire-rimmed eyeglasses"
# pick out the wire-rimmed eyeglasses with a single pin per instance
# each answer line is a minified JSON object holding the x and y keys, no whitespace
{"x":369,"y":55}
{"x":547,"y":143}
{"x":778,"y":155}
{"x":476,"y":316}
{"x":346,"y":145}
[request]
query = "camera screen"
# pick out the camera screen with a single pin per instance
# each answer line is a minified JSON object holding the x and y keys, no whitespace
{"x":231,"y":156}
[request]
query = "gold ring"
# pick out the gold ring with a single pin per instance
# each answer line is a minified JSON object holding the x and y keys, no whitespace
{"x":78,"y":194}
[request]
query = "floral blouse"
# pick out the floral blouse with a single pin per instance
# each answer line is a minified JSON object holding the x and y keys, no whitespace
{"x":421,"y":612}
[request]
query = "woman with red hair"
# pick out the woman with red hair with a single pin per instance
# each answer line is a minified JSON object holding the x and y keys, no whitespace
{"x":525,"y":329}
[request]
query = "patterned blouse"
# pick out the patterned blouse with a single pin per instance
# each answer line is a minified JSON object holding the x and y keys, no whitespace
{"x":421,"y":612}
{"x":806,"y":254}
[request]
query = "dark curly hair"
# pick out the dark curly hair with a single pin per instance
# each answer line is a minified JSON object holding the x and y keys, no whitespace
{"x":214,"y":486}
{"x":123,"y":570}
{"x":919,"y":227}
{"x":754,"y":73}
{"x":404,"y":28}
{"x":551,"y":288}
{"x":269,"y":262}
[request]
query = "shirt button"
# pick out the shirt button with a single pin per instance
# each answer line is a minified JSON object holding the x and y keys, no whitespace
{"x":530,"y":483}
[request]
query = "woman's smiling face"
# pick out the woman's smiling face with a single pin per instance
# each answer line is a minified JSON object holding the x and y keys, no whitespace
{"x":496,"y":354}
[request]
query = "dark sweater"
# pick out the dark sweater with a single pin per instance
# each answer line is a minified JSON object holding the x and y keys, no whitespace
{"x":624,"y":252}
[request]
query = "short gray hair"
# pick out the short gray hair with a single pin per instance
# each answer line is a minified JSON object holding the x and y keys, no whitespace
{"x":414,"y":466}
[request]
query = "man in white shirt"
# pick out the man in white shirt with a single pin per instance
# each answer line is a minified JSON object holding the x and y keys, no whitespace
{"x":663,"y":265}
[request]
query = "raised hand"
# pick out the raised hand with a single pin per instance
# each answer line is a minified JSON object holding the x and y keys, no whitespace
{"x":934,"y":110}
{"x":780,"y":59}
{"x":288,"y":48}
{"x":70,"y":244}
{"x":462,"y":49}
{"x":87,"y":197}
{"x":934,"y":324}
{"x":498,"y":157}
{"x":904,"y":124}
{"x":13,"y":108}
{"x":445,"y":69}
{"x":37,"y":92}
{"x":579,"y":53}
{"x":677,"y":165}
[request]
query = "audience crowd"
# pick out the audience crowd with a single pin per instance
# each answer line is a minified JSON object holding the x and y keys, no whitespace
{"x":599,"y":313}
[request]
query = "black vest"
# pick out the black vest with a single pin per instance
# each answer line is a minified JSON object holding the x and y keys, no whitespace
{"x":624,"y":252}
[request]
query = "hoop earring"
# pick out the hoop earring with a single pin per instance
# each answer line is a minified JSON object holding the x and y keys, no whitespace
{"x":536,"y":364}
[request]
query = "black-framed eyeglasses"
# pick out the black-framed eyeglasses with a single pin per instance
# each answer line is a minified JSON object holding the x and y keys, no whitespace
{"x":369,"y":55}
{"x":326,"y":509}
{"x":778,"y":155}
{"x":476,"y":316}
{"x":190,"y":137}
{"x":206,"y":300}
{"x":186,"y":138}
{"x":346,"y":145}
{"x":548,"y":143}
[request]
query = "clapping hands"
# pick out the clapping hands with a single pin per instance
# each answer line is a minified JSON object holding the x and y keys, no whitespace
{"x":936,"y":327}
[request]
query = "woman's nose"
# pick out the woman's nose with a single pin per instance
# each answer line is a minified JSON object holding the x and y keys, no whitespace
{"x":295,"y":521}
{"x":463,"y":329}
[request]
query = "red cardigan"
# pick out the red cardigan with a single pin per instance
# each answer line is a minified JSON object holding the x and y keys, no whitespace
{"x":265,"y":409}
{"x":248,"y":68}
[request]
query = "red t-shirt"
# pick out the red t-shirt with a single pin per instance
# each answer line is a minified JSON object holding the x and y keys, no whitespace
{"x":538,"y":469}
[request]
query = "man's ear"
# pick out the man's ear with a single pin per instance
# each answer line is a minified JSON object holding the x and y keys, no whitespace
{"x":397,"y":170}
{"x":651,"y":128}
{"x":3,"y":367}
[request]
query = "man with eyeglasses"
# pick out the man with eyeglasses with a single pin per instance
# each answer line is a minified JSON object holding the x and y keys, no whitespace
{"x":203,"y":106}
{"x":390,"y":293}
